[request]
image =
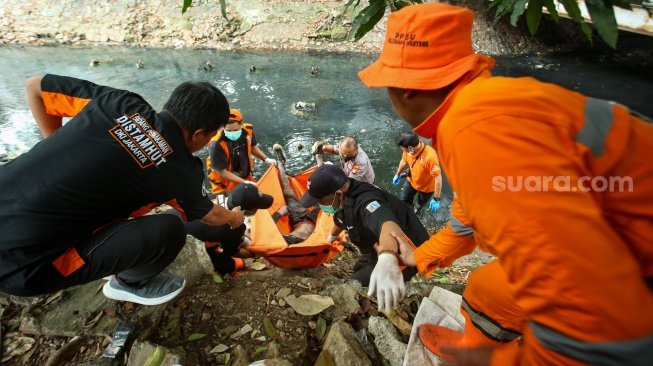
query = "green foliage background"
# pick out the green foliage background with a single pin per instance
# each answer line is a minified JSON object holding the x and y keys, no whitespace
{"x":601,"y":12}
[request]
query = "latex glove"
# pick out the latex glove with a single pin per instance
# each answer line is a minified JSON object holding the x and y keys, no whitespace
{"x":396,"y":180}
{"x":270,"y":161}
{"x":249,"y":182}
{"x":387,"y":281}
{"x":332,"y":238}
{"x":246,"y":242}
{"x":434,"y":205}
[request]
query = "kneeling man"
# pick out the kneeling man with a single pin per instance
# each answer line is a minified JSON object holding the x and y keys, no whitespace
{"x":370,"y":215}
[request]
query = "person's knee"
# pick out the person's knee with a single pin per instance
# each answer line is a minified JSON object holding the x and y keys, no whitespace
{"x":172,"y":230}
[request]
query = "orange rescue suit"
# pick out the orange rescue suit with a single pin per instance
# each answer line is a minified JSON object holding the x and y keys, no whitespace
{"x":575,"y":252}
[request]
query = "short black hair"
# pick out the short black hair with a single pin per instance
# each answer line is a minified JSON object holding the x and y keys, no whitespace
{"x":406,"y":139}
{"x":198,"y":105}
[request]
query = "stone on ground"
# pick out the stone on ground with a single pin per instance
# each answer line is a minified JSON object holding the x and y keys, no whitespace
{"x":388,"y":340}
{"x":342,"y":347}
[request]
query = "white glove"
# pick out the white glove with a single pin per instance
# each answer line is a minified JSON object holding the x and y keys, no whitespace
{"x":246,"y":242}
{"x":249,"y":182}
{"x":332,"y":238}
{"x":270,"y":161}
{"x":387,"y":281}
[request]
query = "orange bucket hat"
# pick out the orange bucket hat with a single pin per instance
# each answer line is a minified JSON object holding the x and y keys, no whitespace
{"x":235,"y":115}
{"x":427,"y":46}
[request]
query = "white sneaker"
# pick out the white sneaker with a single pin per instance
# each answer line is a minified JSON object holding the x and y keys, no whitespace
{"x":160,"y":289}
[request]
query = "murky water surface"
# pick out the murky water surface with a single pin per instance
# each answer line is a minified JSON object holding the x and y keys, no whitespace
{"x":344,"y":105}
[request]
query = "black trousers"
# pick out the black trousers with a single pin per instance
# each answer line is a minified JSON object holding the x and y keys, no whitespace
{"x":408,"y":195}
{"x":216,"y":238}
{"x":136,"y":250}
{"x":363,"y":269}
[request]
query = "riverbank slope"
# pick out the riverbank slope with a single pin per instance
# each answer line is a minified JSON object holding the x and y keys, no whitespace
{"x":250,"y":24}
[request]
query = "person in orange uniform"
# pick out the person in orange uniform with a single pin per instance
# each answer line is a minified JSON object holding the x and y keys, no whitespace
{"x":575,"y":271}
{"x":231,"y":152}
{"x":423,"y":178}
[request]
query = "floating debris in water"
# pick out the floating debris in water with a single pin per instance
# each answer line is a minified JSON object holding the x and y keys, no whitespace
{"x":140,"y":64}
{"x":304,"y":109}
{"x":94,"y":63}
{"x":252,"y":69}
{"x":300,"y":147}
{"x":207,"y":67}
{"x":314,"y":71}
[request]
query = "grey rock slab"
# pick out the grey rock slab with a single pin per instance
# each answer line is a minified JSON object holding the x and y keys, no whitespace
{"x":342,"y":346}
{"x":192,"y":262}
{"x":66,"y":317}
{"x":239,"y":356}
{"x":141,"y":351}
{"x":345,"y":299}
{"x":309,"y":304}
{"x":388,"y":340}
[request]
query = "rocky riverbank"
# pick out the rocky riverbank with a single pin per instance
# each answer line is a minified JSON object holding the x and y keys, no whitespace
{"x":262,"y":25}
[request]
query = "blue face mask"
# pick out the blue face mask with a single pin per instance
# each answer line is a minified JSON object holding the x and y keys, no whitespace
{"x":233,"y":135}
{"x":329,"y":209}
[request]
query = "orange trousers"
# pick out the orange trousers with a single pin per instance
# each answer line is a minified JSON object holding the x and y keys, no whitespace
{"x":488,"y":292}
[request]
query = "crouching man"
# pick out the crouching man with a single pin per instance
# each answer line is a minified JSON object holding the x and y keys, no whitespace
{"x":370,"y":215}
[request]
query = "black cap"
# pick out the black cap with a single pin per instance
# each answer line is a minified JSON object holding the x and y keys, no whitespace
{"x":406,"y":139}
{"x":323,"y":181}
{"x":249,"y":198}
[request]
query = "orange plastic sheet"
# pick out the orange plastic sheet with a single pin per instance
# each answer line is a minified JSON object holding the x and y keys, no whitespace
{"x":267,"y":239}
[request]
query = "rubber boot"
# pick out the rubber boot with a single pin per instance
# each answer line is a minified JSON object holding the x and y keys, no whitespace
{"x":434,"y":337}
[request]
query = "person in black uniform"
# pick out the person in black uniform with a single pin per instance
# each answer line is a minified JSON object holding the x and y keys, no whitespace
{"x":223,"y":244}
{"x":373,"y":219}
{"x":64,"y":204}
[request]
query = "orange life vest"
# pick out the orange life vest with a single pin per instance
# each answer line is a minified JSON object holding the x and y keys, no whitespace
{"x":218,"y":183}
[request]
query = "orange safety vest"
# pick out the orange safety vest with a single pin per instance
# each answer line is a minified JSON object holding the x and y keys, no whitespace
{"x":575,"y":259}
{"x":424,"y":167}
{"x":218,"y":183}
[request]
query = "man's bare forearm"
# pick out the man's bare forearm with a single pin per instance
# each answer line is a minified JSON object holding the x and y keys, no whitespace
{"x":47,"y":123}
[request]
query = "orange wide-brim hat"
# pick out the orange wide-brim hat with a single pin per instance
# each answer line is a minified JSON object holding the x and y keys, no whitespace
{"x":427,"y":46}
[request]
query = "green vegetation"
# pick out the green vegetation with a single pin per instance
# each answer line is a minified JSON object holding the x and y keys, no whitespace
{"x":601,"y":12}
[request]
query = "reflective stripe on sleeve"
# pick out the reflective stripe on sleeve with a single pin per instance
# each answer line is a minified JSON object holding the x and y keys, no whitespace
{"x":489,"y":327}
{"x":633,"y":352}
{"x":460,"y":228}
{"x":599,"y":118}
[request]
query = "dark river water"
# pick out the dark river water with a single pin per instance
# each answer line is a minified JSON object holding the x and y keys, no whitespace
{"x":344,"y":105}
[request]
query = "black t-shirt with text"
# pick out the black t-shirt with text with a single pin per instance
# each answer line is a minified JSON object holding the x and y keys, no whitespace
{"x":367,"y":207}
{"x":114,"y":156}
